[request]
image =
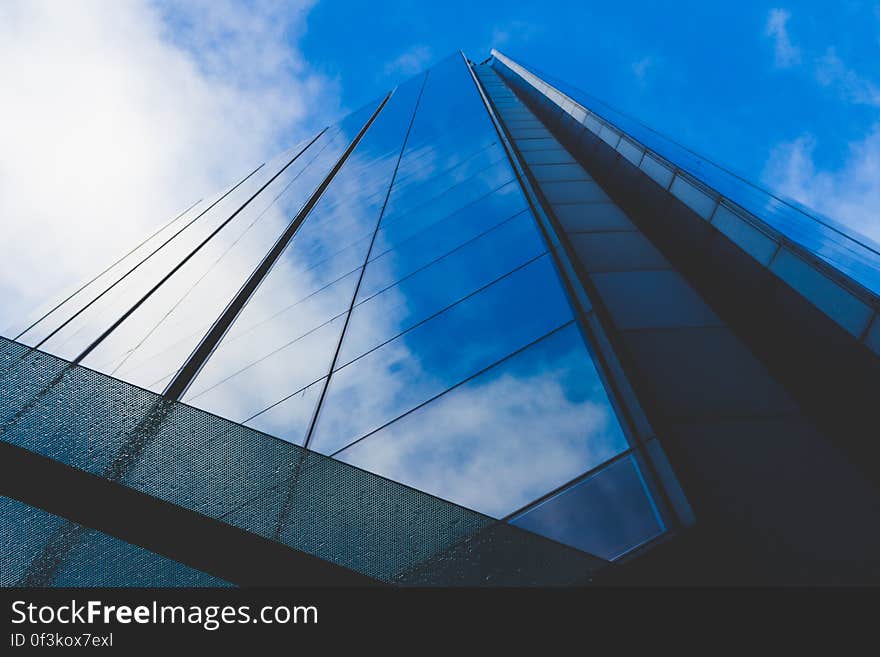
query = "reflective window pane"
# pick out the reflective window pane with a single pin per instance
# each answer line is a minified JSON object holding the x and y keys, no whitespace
{"x":440,"y":239}
{"x":225,"y":265}
{"x":507,"y":437}
{"x":455,"y":196}
{"x":502,"y":202}
{"x":285,"y":337}
{"x":450,"y":279}
{"x":607,"y":514}
{"x":277,"y":336}
{"x":290,"y":417}
{"x":440,"y":353}
{"x":86,"y":317}
{"x":239,"y":394}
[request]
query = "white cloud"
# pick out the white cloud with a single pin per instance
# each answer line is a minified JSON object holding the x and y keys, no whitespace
{"x":511,"y":32}
{"x":117,"y":115}
{"x":786,"y":54}
{"x":410,"y":62}
{"x":831,"y":71}
{"x":849,"y":194}
{"x":640,"y":67}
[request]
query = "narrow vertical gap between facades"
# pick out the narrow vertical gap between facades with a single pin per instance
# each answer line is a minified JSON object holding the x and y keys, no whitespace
{"x":576,"y":290}
{"x":285,"y":511}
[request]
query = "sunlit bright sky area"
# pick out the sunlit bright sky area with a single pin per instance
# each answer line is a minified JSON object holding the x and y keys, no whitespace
{"x":118,"y":114}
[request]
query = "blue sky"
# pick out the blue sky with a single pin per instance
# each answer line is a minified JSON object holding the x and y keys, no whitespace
{"x":119,"y":114}
{"x":760,"y":86}
{"x":713,"y":76}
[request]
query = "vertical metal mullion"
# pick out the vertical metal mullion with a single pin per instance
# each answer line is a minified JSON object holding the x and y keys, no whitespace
{"x":110,"y":267}
{"x":128,"y":313}
{"x":143,"y":260}
{"x":357,"y":286}
{"x":583,"y":305}
{"x":285,"y":511}
{"x":44,"y":564}
{"x":196,"y":360}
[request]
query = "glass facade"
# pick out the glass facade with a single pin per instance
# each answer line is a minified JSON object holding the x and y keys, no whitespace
{"x":450,"y":340}
{"x":831,"y":266}
{"x":417,"y":327}
{"x":851,"y":253}
{"x":744,"y":345}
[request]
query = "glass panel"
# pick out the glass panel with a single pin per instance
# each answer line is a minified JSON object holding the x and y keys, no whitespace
{"x":136,"y":276}
{"x":440,"y":353}
{"x":659,"y":172}
{"x":491,"y":163}
{"x":290,"y":418}
{"x":456,"y":196}
{"x":473,"y":158}
{"x":608,"y":514}
{"x":695,"y":198}
{"x":286,"y":336}
{"x":86,"y":316}
{"x":429,"y":182}
{"x":450,"y":124}
{"x":852,"y":253}
{"x":239,"y":394}
{"x":278,"y":329}
{"x":502,"y":202}
{"x":189,"y":302}
{"x":506,"y":437}
{"x":452,"y":278}
{"x":109,"y":306}
{"x":82,"y":291}
{"x":439,"y":239}
{"x":227,"y":262}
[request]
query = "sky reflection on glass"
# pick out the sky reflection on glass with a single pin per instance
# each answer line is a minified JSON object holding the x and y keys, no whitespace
{"x":206,"y":281}
{"x":847,"y":250}
{"x":440,"y":353}
{"x":450,"y":279}
{"x":294,"y":320}
{"x":607,"y":514}
{"x":506,"y":437}
{"x":461,"y":370}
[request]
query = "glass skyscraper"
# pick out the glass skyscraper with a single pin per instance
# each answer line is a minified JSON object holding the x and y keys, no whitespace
{"x":484,"y":330}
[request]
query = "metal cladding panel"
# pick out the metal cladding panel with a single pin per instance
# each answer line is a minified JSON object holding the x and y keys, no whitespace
{"x":239,"y":476}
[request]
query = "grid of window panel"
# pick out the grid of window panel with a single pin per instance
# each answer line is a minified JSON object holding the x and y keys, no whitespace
{"x":415,"y":326}
{"x":849,"y":252}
